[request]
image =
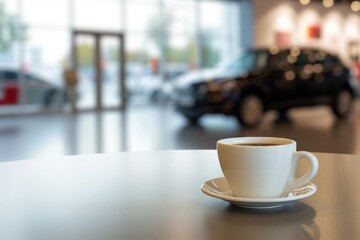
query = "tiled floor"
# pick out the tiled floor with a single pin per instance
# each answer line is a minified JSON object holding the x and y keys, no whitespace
{"x":159,"y":128}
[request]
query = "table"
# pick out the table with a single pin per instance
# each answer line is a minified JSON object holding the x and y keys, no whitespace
{"x":156,"y":195}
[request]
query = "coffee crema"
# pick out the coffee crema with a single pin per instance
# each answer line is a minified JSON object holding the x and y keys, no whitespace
{"x":258,"y":144}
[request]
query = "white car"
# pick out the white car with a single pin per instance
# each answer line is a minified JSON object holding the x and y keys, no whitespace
{"x":17,"y":88}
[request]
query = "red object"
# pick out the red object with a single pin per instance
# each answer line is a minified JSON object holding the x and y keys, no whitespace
{"x":314,"y":32}
{"x":282,"y":39}
{"x":103,"y":64}
{"x":357,"y":71}
{"x":154,"y":63}
{"x":9,"y":95}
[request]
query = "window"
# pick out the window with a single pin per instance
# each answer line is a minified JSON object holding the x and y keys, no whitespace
{"x":42,"y":58}
{"x":11,"y":75}
{"x":219,"y":30}
{"x":164,"y":38}
{"x":54,"y":13}
{"x":104,"y":15}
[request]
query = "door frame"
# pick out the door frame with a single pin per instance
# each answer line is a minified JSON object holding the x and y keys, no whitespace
{"x":98,"y":76}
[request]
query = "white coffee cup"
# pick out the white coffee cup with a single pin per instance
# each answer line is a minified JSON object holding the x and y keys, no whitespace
{"x":263,"y":167}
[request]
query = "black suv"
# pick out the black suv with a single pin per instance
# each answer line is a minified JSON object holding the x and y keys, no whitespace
{"x":250,"y":83}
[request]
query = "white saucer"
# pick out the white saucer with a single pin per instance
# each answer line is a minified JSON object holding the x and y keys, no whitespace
{"x":219,"y":188}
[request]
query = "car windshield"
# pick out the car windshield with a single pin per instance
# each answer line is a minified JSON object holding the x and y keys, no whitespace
{"x":249,"y":60}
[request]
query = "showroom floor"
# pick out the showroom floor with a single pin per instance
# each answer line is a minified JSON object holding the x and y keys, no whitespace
{"x":160,"y":128}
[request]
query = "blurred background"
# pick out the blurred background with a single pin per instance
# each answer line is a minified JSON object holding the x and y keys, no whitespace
{"x":93,"y":76}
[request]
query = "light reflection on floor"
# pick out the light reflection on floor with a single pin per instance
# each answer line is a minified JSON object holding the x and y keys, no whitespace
{"x":159,"y":128}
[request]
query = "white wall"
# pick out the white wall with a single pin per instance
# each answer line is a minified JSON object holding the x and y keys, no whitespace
{"x":339,"y":25}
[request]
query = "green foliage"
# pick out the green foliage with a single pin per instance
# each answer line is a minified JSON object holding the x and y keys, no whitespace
{"x":136,"y":56}
{"x":209,"y":55}
{"x":159,"y":33}
{"x":85,"y":54}
{"x":11,"y":29}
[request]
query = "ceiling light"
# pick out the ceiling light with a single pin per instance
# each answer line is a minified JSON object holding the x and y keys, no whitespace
{"x":274,"y":49}
{"x":355,"y":6}
{"x":295,"y":51}
{"x":328,"y":3}
{"x":304,"y":2}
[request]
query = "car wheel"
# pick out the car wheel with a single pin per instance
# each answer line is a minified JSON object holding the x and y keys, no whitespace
{"x":251,"y":110}
{"x":343,"y":103}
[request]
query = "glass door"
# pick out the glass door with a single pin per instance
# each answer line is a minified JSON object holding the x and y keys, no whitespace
{"x":85,"y":67}
{"x":110,"y":60}
{"x":98,"y":60}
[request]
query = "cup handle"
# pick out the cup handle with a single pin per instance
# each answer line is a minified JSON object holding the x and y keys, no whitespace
{"x":294,"y":182}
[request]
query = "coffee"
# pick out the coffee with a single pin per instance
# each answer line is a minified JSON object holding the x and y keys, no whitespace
{"x":258,"y":144}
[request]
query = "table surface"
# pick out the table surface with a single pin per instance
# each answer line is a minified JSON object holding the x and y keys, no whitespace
{"x":156,"y":195}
